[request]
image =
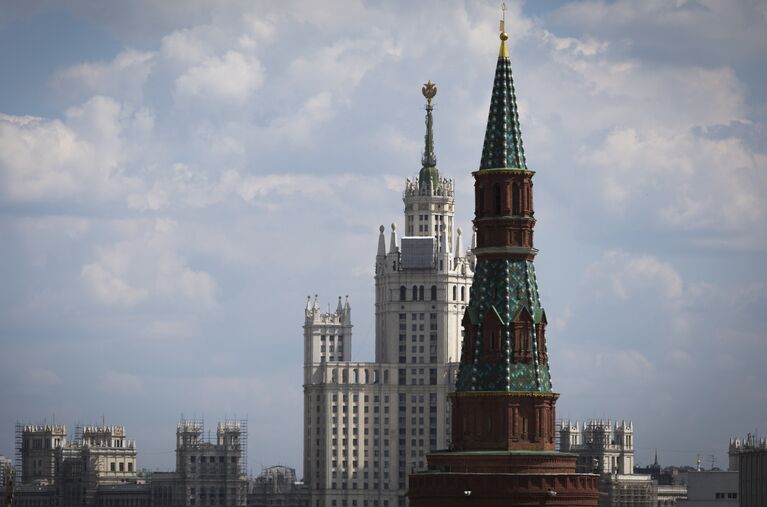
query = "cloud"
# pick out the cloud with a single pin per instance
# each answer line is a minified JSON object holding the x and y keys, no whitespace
{"x":82,"y":156}
{"x":145,"y":267}
{"x":109,"y":289}
{"x":122,"y":78}
{"x":231,"y":78}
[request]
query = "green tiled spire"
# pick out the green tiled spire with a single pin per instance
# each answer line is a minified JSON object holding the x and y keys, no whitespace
{"x":503,"y":138}
{"x":429,"y":174}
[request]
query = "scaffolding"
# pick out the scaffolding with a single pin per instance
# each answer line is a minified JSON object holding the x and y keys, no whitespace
{"x":19,"y":441}
{"x":244,"y":446}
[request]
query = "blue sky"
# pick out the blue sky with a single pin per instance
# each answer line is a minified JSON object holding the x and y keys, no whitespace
{"x":176,"y":177}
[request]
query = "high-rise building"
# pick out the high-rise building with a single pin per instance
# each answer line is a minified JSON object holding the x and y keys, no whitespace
{"x":503,"y":408}
{"x":367,"y":425}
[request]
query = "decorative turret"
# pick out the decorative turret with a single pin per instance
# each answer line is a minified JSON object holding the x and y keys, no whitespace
{"x":381,"y":242}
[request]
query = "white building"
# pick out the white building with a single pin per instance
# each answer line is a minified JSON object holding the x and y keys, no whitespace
{"x":367,"y":425}
{"x":607,"y":448}
{"x":711,"y":489}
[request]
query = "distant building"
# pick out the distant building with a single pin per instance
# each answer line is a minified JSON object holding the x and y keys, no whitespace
{"x":207,"y":473}
{"x":714,"y":488}
{"x":368,"y":425}
{"x":278,"y":486}
{"x":751,"y":460}
{"x":97,"y":467}
{"x":607,"y":448}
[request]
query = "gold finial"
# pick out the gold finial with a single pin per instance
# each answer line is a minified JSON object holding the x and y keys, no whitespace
{"x":504,"y":51}
{"x":429,"y":90}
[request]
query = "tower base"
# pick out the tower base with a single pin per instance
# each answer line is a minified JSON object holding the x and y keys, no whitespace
{"x":503,"y":478}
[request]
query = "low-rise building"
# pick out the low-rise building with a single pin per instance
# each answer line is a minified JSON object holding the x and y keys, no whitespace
{"x":607,"y":448}
{"x":711,"y":488}
{"x":278,"y":486}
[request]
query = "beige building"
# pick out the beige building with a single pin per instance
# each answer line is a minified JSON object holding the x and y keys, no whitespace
{"x":607,"y":448}
{"x":367,"y":425}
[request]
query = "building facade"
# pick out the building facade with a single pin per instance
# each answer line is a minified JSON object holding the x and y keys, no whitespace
{"x":97,"y":467}
{"x":367,"y":425}
{"x":207,"y":472}
{"x":278,"y":486}
{"x":750,"y":460}
{"x":711,"y":488}
{"x":606,"y":448}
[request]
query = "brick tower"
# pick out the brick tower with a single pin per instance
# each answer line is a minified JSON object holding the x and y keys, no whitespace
{"x":503,"y":420}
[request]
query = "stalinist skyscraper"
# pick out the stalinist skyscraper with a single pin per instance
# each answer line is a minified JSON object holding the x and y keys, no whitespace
{"x":367,"y":426}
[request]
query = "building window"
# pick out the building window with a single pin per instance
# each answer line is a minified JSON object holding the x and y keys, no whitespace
{"x":455,"y":292}
{"x":497,"y":198}
{"x":515,"y":199}
{"x":463,"y":293}
{"x":433,"y":292}
{"x":420,"y":293}
{"x":415,"y":293}
{"x":402,"y":293}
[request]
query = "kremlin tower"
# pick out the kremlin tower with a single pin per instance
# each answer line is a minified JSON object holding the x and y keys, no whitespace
{"x":503,"y":417}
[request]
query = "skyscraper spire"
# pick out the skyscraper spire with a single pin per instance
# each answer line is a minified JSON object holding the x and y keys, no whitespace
{"x":503,"y":138}
{"x":429,"y":175}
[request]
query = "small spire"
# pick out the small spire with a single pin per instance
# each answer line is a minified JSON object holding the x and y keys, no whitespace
{"x":429,"y":176}
{"x":458,"y":243}
{"x":308,"y":303}
{"x":393,"y":241}
{"x":340,"y":307}
{"x":381,"y":242}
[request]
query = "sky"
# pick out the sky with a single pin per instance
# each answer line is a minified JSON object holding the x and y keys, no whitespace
{"x":176,"y":177}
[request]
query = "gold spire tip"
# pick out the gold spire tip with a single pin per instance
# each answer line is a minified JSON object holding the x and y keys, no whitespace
{"x":504,"y":51}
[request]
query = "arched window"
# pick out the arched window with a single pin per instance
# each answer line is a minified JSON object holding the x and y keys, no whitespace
{"x":415,"y":293}
{"x":433,"y":292}
{"x":455,"y":291}
{"x":497,"y":198}
{"x":463,"y":293}
{"x":420,"y":293}
{"x":402,"y":293}
{"x":515,"y":199}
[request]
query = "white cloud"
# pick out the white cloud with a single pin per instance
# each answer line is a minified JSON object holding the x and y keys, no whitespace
{"x":232,"y":77}
{"x":145,"y":267}
{"x":124,"y":77}
{"x":42,"y":159}
{"x":108,"y":288}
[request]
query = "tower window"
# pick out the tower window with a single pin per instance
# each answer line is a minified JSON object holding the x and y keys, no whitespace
{"x":433,"y":292}
{"x":402,"y":293}
{"x":415,"y":293}
{"x":420,"y":293}
{"x":515,"y":199}
{"x":463,"y":293}
{"x":455,"y":290}
{"x":497,"y":198}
